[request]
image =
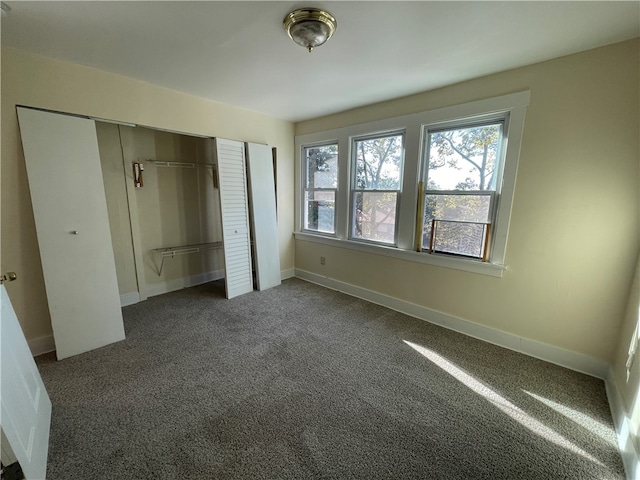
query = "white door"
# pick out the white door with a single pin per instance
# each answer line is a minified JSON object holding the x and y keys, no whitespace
{"x":70,"y":210}
{"x":25,"y":408}
{"x":263,"y":218}
{"x":236,"y":241}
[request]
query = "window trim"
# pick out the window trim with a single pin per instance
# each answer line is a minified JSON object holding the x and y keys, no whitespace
{"x":446,"y":261}
{"x":513,"y":104}
{"x":501,"y":119}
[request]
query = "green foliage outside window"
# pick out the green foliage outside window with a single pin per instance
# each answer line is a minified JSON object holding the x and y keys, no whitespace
{"x":461,"y":160}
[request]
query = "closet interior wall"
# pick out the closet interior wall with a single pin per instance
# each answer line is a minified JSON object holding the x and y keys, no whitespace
{"x":177,"y":206}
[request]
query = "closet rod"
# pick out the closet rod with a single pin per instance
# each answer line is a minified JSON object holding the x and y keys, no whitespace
{"x":159,"y":163}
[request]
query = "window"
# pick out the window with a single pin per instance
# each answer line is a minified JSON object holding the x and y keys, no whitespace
{"x":375,"y":190}
{"x":320,"y":185}
{"x":433,"y":187}
{"x":462,"y":166}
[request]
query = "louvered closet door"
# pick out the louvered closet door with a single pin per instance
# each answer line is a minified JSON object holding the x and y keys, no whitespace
{"x":235,"y":216}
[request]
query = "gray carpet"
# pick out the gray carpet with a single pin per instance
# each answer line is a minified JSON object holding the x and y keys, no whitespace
{"x":304,"y":382}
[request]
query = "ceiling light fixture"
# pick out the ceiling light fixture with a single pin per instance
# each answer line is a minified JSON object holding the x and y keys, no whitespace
{"x":310,"y":27}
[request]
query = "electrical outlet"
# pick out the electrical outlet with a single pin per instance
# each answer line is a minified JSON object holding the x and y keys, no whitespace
{"x":321,"y":260}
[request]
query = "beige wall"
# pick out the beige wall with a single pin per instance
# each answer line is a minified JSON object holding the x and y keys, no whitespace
{"x":41,"y":82}
{"x":575,"y":225}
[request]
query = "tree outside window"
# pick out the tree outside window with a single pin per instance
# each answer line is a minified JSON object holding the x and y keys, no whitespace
{"x":377,"y":175}
{"x":463,"y":166}
{"x":320,"y":185}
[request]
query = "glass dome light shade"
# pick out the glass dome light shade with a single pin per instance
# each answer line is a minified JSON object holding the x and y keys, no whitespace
{"x":310,"y":27}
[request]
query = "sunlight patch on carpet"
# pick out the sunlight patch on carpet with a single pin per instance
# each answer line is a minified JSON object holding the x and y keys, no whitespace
{"x":500,"y":402}
{"x":580,"y":418}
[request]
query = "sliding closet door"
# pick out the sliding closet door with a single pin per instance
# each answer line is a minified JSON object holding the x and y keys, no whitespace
{"x":235,"y":216}
{"x":70,"y":210}
{"x":263,"y":218}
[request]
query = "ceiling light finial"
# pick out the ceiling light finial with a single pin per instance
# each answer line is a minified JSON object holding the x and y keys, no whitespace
{"x":310,"y":27}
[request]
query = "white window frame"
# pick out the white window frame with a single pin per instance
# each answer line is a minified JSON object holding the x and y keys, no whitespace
{"x":460,"y":124}
{"x":353,"y":190}
{"x":514,"y":105}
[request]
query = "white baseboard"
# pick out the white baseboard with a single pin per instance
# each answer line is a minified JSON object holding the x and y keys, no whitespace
{"x":154,"y":289}
{"x":626,"y":445}
{"x":177,"y":284}
{"x":288,"y":273}
{"x":549,"y":353}
{"x":46,"y":344}
{"x":41,"y":345}
{"x":129,"y":298}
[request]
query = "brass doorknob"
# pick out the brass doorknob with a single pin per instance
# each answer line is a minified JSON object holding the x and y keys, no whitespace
{"x":8,"y":277}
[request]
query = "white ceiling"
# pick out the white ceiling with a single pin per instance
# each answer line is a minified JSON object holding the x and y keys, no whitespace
{"x":237,"y":52}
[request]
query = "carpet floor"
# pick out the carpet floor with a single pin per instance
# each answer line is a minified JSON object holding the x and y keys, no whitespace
{"x":302,"y":382}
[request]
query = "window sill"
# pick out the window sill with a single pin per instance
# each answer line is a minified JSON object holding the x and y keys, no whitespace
{"x":483,"y":268}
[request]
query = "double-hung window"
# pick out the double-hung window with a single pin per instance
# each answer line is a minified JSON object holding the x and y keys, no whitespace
{"x":376,"y":180}
{"x":433,"y":187}
{"x":320,"y":186}
{"x":462,"y":167}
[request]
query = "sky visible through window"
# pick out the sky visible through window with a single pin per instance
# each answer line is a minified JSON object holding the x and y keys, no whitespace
{"x":464,"y":158}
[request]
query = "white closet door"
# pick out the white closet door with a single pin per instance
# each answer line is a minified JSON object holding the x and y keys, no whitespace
{"x":235,"y":217}
{"x":263,"y":219}
{"x":70,"y":210}
{"x":25,"y":405}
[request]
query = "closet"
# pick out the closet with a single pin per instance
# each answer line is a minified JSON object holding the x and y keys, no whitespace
{"x":165,"y":211}
{"x":166,"y":224}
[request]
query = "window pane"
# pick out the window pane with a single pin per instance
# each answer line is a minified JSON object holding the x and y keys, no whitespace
{"x":459,"y":238}
{"x":321,"y":166}
{"x":375,"y":216}
{"x":319,"y":211}
{"x":464,"y":158}
{"x":378,"y":163}
{"x":460,"y":208}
